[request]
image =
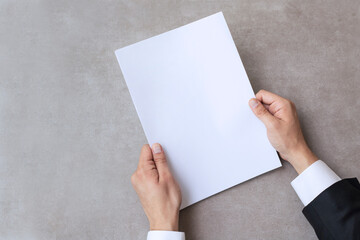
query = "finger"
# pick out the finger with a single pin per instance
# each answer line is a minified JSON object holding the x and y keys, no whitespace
{"x":267,"y":106}
{"x":160,"y":159}
{"x":268,"y":97}
{"x":262,"y":113}
{"x":146,"y":157}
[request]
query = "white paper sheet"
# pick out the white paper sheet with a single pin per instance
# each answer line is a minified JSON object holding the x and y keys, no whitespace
{"x":191,"y":93}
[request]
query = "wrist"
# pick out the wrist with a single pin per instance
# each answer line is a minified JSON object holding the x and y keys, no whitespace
{"x":166,"y":225}
{"x":301,"y":158}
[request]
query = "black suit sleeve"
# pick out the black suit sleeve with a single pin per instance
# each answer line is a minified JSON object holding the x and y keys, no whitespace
{"x":335,"y":213}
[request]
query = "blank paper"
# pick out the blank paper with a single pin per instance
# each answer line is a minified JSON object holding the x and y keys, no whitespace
{"x":191,"y":93}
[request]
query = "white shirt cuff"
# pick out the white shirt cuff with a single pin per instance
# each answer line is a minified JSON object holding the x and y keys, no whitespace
{"x":165,"y":235}
{"x":313,"y":181}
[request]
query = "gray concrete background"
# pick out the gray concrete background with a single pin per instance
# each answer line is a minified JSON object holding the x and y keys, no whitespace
{"x":70,"y":136}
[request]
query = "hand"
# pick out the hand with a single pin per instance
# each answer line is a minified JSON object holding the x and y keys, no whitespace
{"x":283,"y":128}
{"x":158,"y":191}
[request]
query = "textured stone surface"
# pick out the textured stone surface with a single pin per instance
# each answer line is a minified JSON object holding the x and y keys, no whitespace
{"x":70,"y":136}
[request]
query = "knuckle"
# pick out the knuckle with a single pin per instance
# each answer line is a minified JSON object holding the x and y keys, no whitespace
{"x":292,"y":105}
{"x":160,"y":159}
{"x":260,"y":92}
{"x":133,"y":178}
{"x":288,"y":103}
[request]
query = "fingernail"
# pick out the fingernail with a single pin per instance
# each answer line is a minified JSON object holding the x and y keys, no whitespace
{"x":253,"y":103}
{"x":156,"y":148}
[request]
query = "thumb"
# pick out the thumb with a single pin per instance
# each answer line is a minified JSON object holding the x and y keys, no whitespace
{"x":262,"y":113}
{"x":160,"y":159}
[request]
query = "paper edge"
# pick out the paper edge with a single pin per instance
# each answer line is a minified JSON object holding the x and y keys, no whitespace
{"x":261,"y":174}
{"x":217,"y":13}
